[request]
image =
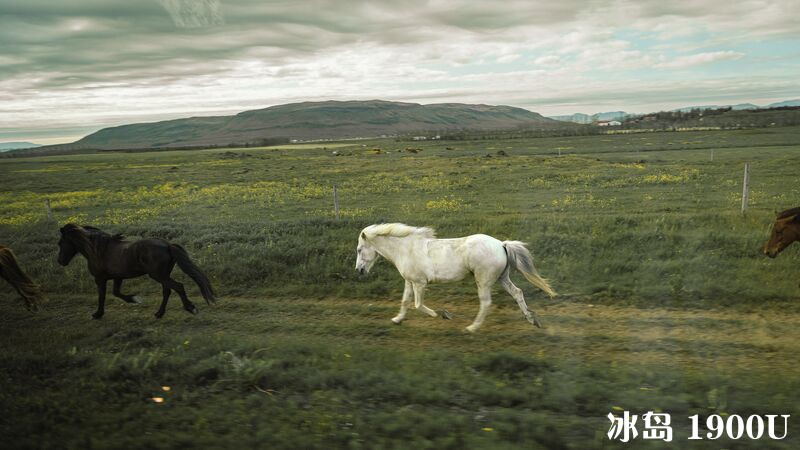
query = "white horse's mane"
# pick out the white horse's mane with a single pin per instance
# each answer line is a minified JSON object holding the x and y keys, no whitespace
{"x":398,"y":230}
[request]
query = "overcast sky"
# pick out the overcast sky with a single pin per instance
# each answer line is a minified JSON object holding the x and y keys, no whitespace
{"x":70,"y":67}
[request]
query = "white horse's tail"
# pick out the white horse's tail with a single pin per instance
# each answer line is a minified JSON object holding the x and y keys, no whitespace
{"x":520,"y":258}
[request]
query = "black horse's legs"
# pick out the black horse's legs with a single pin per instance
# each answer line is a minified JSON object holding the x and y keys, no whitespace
{"x":101,"y":298}
{"x":162,"y":275}
{"x":187,"y":304}
{"x":125,"y":297}
{"x":168,"y":285}
{"x":163,"y":308}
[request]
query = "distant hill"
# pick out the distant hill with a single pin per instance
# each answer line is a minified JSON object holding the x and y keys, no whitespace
{"x":311,"y":121}
{"x":5,"y":146}
{"x":785,"y":103}
{"x":585,"y":118}
{"x":613,"y":115}
{"x":574,"y":118}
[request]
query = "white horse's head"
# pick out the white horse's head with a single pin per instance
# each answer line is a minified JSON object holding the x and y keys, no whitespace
{"x":367,"y":255}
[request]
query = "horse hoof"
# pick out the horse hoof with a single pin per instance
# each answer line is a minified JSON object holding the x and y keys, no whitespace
{"x":397,"y":321}
{"x":136,"y":299}
{"x":96,"y":316}
{"x":534,"y":320}
{"x":193,"y":310}
{"x":471,"y":329}
{"x":159,"y":315}
{"x":446,"y":315}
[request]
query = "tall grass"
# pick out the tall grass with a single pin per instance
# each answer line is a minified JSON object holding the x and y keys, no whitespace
{"x":607,"y":221}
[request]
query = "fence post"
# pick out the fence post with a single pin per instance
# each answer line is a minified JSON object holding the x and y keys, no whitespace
{"x":745,"y":187}
{"x":47,"y":208}
{"x":336,"y":201}
{"x":712,"y":155}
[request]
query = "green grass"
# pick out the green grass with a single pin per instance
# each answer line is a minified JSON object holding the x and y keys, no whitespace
{"x":667,"y":302}
{"x":612,"y":218}
{"x":294,"y":373}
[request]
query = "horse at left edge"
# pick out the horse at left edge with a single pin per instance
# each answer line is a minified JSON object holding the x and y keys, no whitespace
{"x":19,"y":280}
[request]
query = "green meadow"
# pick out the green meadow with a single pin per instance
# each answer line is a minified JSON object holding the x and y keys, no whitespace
{"x":667,"y":303}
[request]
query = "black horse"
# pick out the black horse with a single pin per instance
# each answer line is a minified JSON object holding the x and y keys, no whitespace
{"x":114,"y":258}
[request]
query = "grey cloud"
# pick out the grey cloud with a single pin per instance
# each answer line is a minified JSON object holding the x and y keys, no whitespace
{"x":481,"y":16}
{"x":83,"y":38}
{"x":90,"y":47}
{"x":36,"y":9}
{"x":194,"y":13}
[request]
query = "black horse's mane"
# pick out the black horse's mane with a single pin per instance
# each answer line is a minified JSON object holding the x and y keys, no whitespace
{"x":97,"y":233}
{"x":100,"y":239}
{"x":789,"y":213}
{"x":95,"y":239}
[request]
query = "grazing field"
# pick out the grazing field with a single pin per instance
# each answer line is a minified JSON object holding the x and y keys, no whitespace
{"x":667,"y":302}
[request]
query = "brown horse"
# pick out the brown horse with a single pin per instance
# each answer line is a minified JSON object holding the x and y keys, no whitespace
{"x":114,"y":258}
{"x":11,"y":272}
{"x":785,"y":231}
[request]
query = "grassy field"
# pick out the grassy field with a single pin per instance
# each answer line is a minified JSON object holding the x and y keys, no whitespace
{"x":667,"y":303}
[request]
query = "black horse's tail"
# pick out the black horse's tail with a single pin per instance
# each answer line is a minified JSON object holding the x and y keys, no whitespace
{"x":10,"y":270}
{"x":194,"y":272}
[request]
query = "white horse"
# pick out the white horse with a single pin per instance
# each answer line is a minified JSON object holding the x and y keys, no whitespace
{"x":421,"y":258}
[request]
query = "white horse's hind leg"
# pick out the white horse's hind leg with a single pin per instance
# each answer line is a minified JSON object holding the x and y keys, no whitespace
{"x":404,"y":303}
{"x":517,"y":294}
{"x":419,"y":297}
{"x":485,"y":296}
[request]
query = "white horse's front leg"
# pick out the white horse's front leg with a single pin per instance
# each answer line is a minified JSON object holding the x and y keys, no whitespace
{"x":419,"y":297}
{"x":404,"y":303}
{"x":485,"y":296}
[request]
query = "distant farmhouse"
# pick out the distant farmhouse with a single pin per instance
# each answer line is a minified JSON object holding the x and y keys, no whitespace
{"x":608,"y":123}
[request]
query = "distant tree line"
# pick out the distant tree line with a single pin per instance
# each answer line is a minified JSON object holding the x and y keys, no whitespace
{"x":717,"y":118}
{"x":725,"y":118}
{"x":517,"y":133}
{"x":263,"y":142}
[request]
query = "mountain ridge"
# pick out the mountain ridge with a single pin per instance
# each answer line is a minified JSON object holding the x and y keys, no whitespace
{"x":620,"y":115}
{"x":307,"y":121}
{"x":16,"y":145}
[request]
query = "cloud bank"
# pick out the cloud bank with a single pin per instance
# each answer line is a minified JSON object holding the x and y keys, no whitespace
{"x":85,"y":64}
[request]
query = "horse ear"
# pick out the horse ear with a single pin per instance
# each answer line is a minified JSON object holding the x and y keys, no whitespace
{"x":363,"y":236}
{"x":796,"y":218}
